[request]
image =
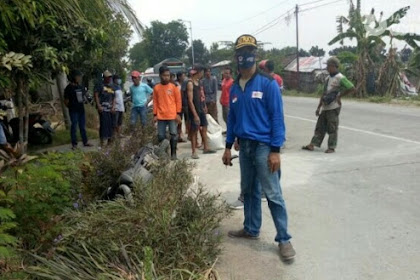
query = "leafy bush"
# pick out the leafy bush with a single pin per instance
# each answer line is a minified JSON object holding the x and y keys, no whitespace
{"x":40,"y":191}
{"x":170,"y":233}
{"x":6,"y":224}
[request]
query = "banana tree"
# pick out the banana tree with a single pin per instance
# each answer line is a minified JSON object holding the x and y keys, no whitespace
{"x":413,"y":66}
{"x":369,"y":33}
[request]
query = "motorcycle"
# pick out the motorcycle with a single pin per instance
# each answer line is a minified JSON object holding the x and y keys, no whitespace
{"x":40,"y":130}
{"x":139,"y":170}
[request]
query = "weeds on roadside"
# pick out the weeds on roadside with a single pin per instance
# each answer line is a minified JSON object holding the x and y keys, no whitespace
{"x":170,"y":233}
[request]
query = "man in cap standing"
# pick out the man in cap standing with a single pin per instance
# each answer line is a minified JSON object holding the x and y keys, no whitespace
{"x":256,"y":119}
{"x":140,"y":95}
{"x":105,"y":102}
{"x":336,"y":86}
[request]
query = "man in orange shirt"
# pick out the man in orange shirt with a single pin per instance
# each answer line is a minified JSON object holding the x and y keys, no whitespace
{"x":167,"y":107}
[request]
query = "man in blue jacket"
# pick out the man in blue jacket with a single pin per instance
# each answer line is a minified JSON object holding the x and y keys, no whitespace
{"x":256,"y":120}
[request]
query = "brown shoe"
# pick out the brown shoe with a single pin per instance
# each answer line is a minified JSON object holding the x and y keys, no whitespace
{"x":286,"y":251}
{"x":330,"y":151}
{"x":241,"y":234}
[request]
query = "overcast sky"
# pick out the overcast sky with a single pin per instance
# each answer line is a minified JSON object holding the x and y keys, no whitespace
{"x":225,"y":20}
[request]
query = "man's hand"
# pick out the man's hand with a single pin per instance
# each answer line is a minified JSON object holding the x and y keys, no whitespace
{"x":197,"y":120}
{"x":155,"y":119}
{"x":178,"y":119}
{"x":236,"y":145}
{"x":317,"y":112}
{"x":339,"y":99}
{"x":100,"y":109}
{"x":274,"y":162}
{"x":227,"y":157}
{"x":206,"y":110}
{"x":113,"y":110}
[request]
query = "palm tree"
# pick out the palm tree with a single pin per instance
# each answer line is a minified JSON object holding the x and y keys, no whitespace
{"x":369,"y":34}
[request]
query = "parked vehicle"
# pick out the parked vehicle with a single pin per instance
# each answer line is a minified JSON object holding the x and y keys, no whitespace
{"x":139,"y":170}
{"x":40,"y":130}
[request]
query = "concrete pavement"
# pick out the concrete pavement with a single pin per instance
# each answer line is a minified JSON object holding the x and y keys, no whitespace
{"x":354,"y":214}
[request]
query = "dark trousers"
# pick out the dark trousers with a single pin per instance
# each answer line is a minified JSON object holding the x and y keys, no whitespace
{"x":327,"y":123}
{"x":78,"y":118}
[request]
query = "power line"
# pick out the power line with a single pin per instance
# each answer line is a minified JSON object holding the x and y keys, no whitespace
{"x":272,"y":23}
{"x":269,"y":27}
{"x":312,"y":2}
{"x":275,"y":21}
{"x":326,"y":4}
{"x":246,"y":19}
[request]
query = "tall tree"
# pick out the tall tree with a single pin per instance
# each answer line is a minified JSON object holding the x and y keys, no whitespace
{"x":217,"y":54}
{"x":317,"y":51}
{"x":138,"y":56}
{"x":162,"y":40}
{"x":201,"y":54}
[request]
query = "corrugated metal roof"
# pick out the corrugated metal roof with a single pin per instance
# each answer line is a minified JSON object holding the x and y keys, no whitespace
{"x":308,"y":64}
{"x":221,"y":63}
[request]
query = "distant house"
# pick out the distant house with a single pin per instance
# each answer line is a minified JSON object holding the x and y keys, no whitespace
{"x":217,"y":68}
{"x":310,"y":70}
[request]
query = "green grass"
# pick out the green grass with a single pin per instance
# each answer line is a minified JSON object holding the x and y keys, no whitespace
{"x":62,"y":137}
{"x":293,"y":92}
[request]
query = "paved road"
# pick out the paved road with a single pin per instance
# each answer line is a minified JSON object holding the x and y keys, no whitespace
{"x":354,"y":214}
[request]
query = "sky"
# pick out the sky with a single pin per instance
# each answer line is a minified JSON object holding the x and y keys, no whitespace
{"x":225,"y":20}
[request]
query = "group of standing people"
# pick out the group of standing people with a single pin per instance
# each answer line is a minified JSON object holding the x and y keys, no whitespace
{"x":109,"y":100}
{"x":185,"y":98}
{"x":253,"y":111}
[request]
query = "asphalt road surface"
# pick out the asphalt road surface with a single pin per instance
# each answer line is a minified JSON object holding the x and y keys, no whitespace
{"x":354,"y":214}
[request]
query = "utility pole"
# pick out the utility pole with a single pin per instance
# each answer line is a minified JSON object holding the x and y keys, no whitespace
{"x":297,"y":46}
{"x":192,"y":41}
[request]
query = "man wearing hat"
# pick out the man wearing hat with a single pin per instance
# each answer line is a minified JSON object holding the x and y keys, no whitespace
{"x":105,"y":102}
{"x":256,"y":120}
{"x":336,"y":86}
{"x":140,"y":96}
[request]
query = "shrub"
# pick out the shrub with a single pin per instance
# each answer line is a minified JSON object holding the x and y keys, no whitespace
{"x":40,"y":191}
{"x":167,"y":234}
{"x":6,"y":224}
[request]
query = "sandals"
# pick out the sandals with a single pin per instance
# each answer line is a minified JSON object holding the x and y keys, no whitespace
{"x":308,"y":148}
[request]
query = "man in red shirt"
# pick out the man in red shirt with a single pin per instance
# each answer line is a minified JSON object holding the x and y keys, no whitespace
{"x":226,"y":85}
{"x":268,"y":67}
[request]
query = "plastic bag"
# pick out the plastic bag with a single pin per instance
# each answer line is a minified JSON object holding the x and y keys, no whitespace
{"x":214,"y":134}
